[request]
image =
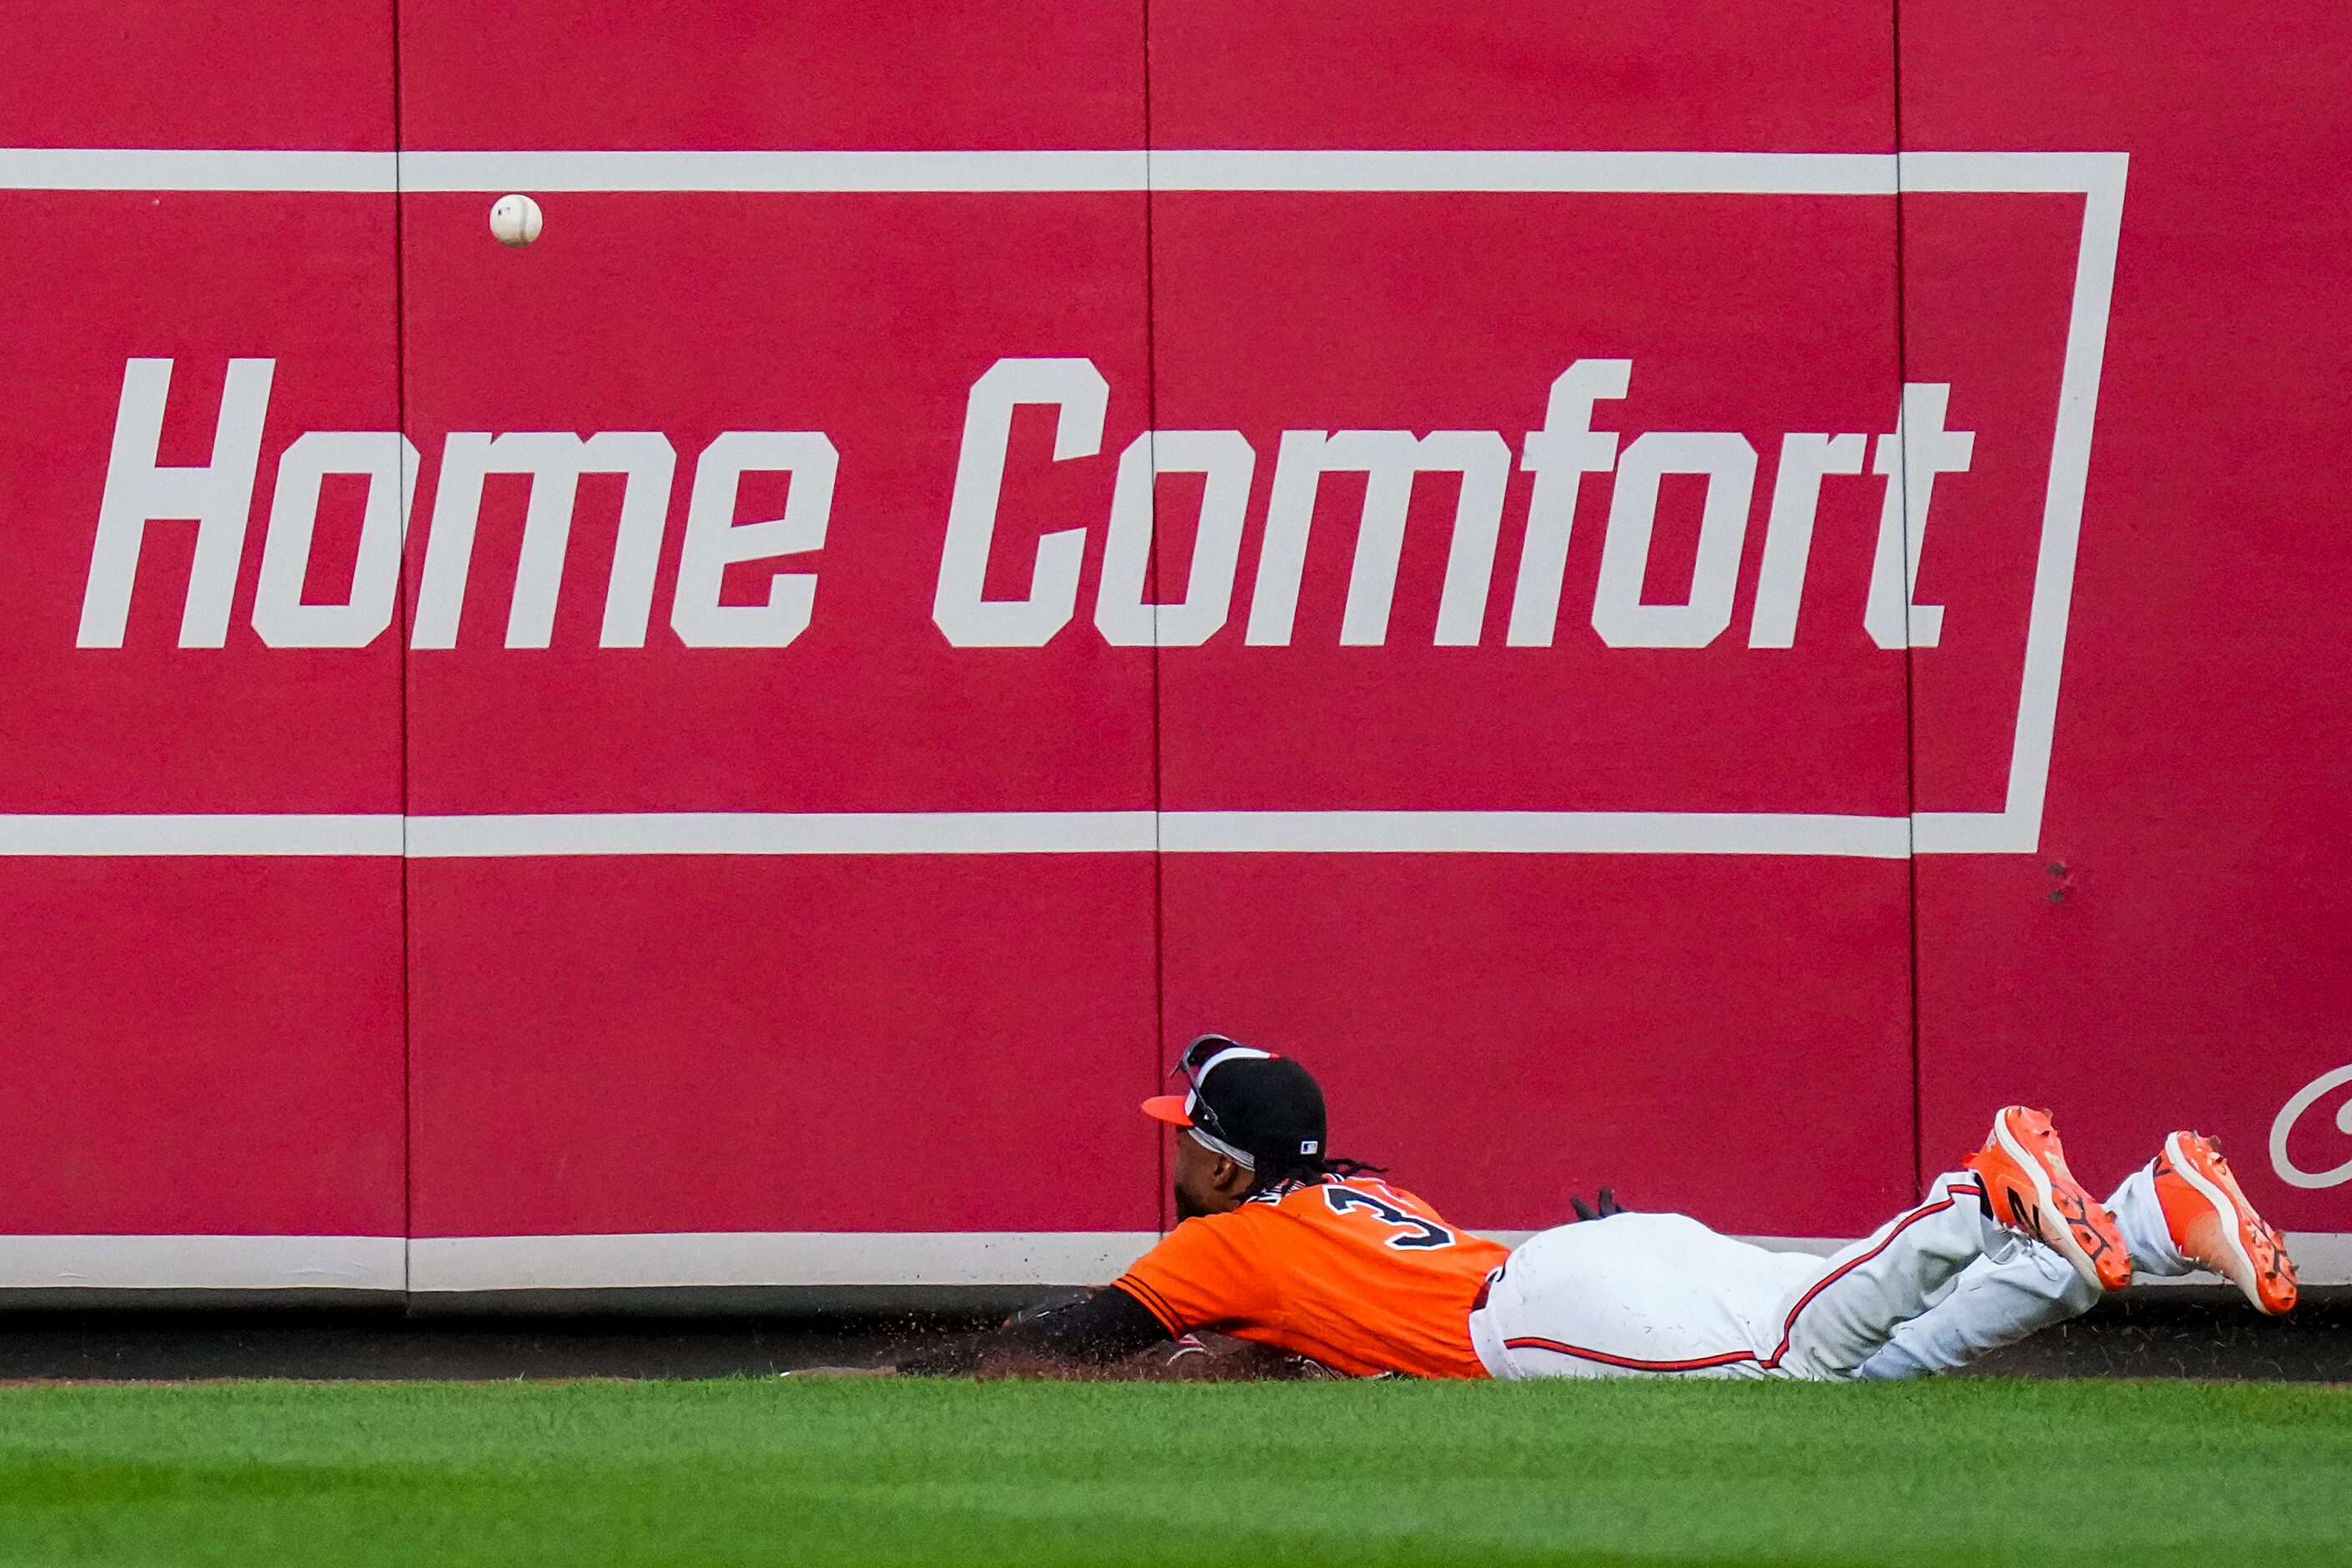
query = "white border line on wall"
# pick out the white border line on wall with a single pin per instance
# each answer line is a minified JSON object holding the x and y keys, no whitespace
{"x":2099,"y":177}
{"x":947,"y":172}
{"x":326,"y":834}
{"x":559,"y":834}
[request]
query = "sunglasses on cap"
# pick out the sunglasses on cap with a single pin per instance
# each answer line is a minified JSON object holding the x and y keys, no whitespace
{"x":1195,"y":1063}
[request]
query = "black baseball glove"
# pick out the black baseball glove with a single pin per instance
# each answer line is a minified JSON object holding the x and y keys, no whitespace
{"x":1602,"y":1210}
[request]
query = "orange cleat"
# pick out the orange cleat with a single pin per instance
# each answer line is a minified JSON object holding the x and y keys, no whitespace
{"x":2030,"y":1190}
{"x":2215,"y":1228}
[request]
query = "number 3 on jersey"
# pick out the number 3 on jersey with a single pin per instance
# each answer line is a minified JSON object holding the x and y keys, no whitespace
{"x":1413,"y":1232}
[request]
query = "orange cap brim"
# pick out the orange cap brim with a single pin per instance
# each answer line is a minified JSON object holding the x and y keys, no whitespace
{"x":1168,"y":1108}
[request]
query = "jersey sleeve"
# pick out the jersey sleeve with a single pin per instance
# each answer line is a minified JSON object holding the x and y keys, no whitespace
{"x":1203,"y":1274}
{"x":1101,"y":1327}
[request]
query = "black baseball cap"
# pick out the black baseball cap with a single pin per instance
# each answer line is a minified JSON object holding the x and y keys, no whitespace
{"x":1268,"y":1107}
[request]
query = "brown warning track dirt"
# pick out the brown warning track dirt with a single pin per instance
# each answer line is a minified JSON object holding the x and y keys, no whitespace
{"x":2173,"y":1333}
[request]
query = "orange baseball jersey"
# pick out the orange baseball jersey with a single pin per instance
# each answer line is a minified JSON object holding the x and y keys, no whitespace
{"x":1358,"y":1275}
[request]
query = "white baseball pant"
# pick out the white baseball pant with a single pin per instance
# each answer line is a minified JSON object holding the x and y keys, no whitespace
{"x":1660,"y":1294}
{"x":1995,"y":1301}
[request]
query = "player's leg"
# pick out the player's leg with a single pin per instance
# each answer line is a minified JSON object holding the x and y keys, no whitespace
{"x":1662,"y":1294}
{"x":2183,"y":1211}
{"x":1994,"y":1303}
{"x":2016,"y":1191}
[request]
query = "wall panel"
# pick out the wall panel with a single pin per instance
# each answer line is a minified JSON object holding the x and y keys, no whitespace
{"x":2171,"y":954}
{"x":205,"y":1048}
{"x":837,"y":1030}
{"x":1572,"y":984}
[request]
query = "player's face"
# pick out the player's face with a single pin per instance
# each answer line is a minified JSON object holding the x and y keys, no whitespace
{"x":1206,"y":1182}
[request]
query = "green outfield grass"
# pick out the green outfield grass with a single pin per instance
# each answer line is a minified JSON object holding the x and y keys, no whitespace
{"x":874,"y":1472}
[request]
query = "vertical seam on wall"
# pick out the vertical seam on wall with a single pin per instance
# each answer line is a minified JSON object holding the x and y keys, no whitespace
{"x":400,"y":393}
{"x":1910,"y":700}
{"x":1151,"y":586}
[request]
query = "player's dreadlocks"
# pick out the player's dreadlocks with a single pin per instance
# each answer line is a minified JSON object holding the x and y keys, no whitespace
{"x":1308,"y":1169}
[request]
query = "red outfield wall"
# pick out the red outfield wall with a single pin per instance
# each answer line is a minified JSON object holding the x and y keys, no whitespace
{"x":1668,"y":645}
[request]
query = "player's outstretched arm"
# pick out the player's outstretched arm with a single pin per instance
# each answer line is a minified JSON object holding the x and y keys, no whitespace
{"x":1085,"y":1336}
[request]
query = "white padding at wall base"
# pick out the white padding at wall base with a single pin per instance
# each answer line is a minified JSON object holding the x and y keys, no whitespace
{"x":689,"y":1258}
{"x":203,"y":1262}
{"x":773,"y":1257}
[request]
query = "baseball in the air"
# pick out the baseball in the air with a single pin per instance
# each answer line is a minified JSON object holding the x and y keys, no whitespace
{"x":515,"y":220}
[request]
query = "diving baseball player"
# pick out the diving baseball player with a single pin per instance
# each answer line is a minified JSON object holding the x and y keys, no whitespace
{"x":1283,"y":1245}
